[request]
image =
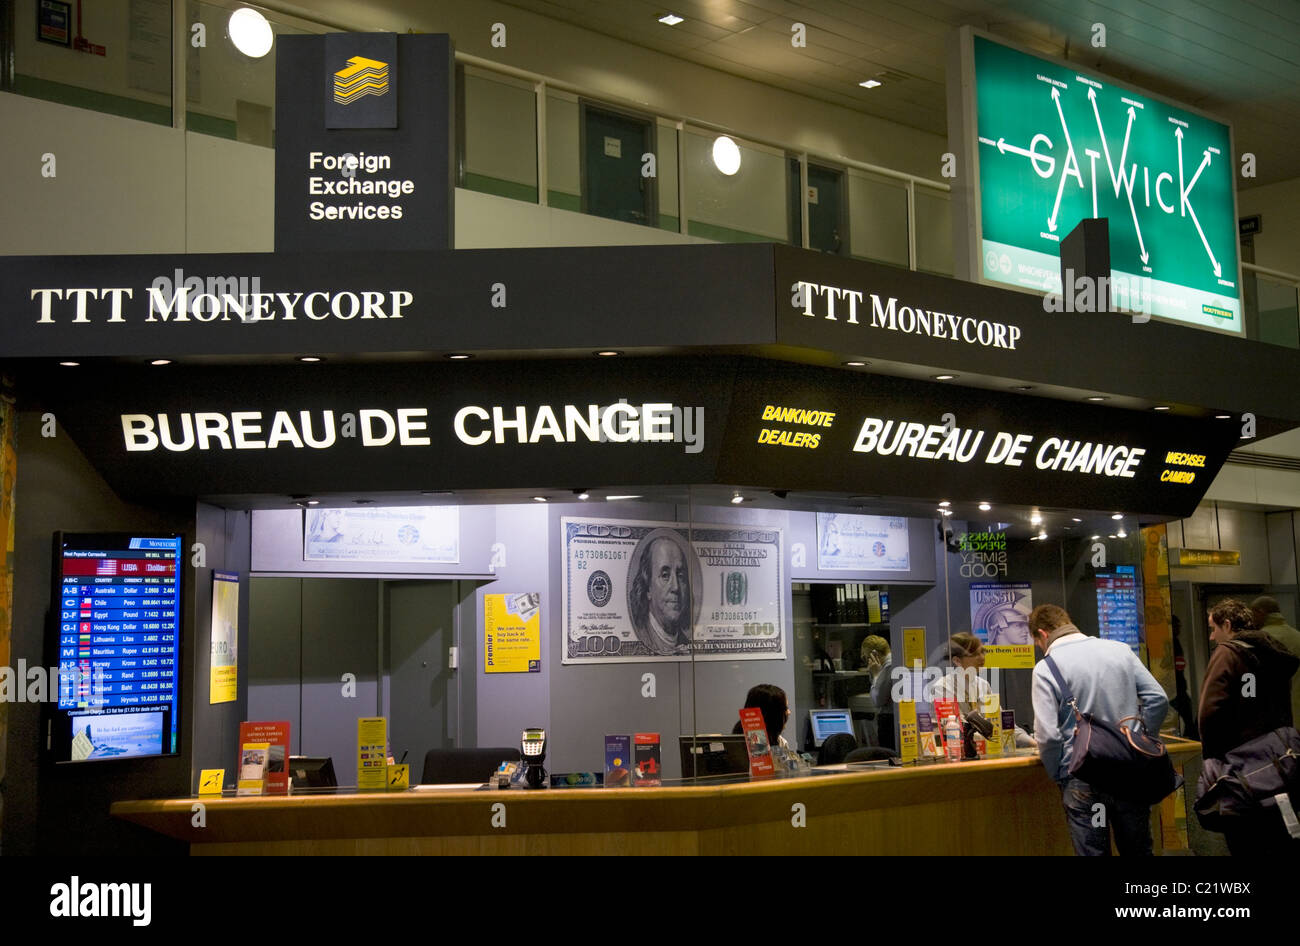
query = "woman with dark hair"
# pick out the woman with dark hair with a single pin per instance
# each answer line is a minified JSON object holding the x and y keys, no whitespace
{"x":1234,"y":710}
{"x":771,"y":701}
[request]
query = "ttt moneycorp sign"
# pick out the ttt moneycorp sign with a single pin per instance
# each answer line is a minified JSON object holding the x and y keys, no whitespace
{"x":1052,"y":145}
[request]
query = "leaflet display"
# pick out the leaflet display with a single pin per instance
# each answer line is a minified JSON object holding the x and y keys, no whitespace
{"x":118,"y":605}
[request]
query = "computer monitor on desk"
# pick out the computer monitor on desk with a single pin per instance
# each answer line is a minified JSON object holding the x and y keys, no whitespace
{"x":827,"y":722}
{"x":713,"y":754}
{"x":312,"y":771}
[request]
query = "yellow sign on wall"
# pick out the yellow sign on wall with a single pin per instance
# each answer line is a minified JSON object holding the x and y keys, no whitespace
{"x":223,"y":675}
{"x":512,"y":633}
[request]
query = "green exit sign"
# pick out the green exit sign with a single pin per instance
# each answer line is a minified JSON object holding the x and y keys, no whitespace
{"x":1052,"y":144}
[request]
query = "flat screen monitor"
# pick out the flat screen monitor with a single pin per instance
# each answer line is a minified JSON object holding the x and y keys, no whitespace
{"x":828,"y":722}
{"x":117,"y":598}
{"x":312,"y":771}
{"x":714,"y":754}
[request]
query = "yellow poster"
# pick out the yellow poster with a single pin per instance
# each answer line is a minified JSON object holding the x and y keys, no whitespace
{"x":223,"y":675}
{"x":913,"y":647}
{"x":907,"y":729}
{"x":372,"y":753}
{"x":512,"y":633}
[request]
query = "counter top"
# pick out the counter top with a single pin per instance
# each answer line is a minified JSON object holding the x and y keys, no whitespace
{"x":1002,"y":805}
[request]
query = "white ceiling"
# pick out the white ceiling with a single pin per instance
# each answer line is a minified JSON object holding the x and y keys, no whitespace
{"x":1239,"y":59}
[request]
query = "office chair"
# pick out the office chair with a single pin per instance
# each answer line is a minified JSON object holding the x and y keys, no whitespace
{"x":449,"y":766}
{"x":836,"y":748}
{"x":869,"y":754}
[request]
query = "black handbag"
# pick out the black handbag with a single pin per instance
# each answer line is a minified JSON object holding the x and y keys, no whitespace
{"x":1115,"y":759}
{"x":1257,"y":775}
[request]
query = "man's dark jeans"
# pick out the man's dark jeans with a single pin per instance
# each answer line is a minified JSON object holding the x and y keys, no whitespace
{"x":1089,"y":825}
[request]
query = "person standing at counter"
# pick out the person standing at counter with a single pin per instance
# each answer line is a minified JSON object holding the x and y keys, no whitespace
{"x":1109,"y":681}
{"x":1268,"y":618}
{"x":1233,"y":712}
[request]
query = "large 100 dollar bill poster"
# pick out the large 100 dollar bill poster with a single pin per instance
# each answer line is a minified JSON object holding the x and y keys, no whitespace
{"x":656,"y":591}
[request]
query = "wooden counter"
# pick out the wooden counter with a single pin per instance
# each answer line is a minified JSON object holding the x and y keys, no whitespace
{"x":996,"y":806}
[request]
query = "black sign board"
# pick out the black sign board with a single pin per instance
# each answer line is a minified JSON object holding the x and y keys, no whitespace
{"x":555,"y":424}
{"x":364,"y":155}
{"x":1249,"y":226}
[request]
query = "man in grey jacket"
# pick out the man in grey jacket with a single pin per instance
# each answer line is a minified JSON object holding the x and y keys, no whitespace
{"x":1109,"y":681}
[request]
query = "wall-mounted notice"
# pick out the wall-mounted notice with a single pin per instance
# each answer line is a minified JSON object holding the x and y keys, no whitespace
{"x":999,"y":616}
{"x":861,"y":543}
{"x":223,"y":675}
{"x":1117,"y":605}
{"x":384,"y":534}
{"x":656,"y":591}
{"x":512,"y":633}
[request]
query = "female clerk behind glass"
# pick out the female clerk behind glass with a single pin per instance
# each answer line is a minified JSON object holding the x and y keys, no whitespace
{"x":770,"y":700}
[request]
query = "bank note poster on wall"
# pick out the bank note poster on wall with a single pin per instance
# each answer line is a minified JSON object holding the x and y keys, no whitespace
{"x":999,"y":616}
{"x":662,"y":591}
{"x":847,"y":542}
{"x":390,"y":535}
{"x":223,"y":679}
{"x":512,"y":633}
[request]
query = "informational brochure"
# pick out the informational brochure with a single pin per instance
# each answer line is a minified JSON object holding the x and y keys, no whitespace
{"x":618,"y":761}
{"x":1008,"y":732}
{"x":372,"y":753}
{"x":756,"y":744}
{"x":907,"y":729}
{"x":276,"y":737}
{"x":252,"y":767}
{"x":648,"y":769}
{"x":991,"y":709}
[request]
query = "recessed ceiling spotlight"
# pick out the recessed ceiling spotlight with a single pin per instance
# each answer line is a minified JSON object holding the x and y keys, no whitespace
{"x":737,"y":499}
{"x":944,"y":377}
{"x":70,"y":364}
{"x":1223,"y":417}
{"x":610,"y":499}
{"x":459,"y":356}
{"x":1035,"y":519}
{"x":1096,"y":537}
{"x":944,"y":503}
{"x":310,"y":359}
{"x":871,"y":84}
{"x":161,"y":361}
{"x":1076,"y":519}
{"x":672,"y":19}
{"x":1117,"y":516}
{"x":609,"y":353}
{"x":985,"y":507}
{"x":946,"y":512}
{"x":1121,"y":534}
{"x":1022,"y":387}
{"x":582,"y":494}
{"x":1042,"y":535}
{"x":1095,"y":398}
{"x":1161,"y":407}
{"x":250,"y":32}
{"x":1110,"y":536}
{"x":539,"y":499}
{"x":855,"y":364}
{"x":726,"y":155}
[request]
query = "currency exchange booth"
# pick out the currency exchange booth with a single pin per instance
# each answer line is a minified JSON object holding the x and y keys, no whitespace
{"x":597,"y":491}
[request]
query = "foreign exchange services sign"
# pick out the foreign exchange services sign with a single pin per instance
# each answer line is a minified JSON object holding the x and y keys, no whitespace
{"x":1056,"y":145}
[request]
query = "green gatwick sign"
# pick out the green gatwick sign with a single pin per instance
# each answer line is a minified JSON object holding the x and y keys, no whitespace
{"x":1057,"y":144}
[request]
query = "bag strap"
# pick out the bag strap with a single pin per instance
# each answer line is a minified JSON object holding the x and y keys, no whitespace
{"x":1066,"y":693}
{"x":1130,"y":731}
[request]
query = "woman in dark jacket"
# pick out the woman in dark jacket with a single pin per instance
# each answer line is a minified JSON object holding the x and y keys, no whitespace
{"x":1235,"y":709}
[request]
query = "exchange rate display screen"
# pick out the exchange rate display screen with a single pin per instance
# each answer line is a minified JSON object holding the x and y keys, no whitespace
{"x":119,"y":617}
{"x":1117,"y":605}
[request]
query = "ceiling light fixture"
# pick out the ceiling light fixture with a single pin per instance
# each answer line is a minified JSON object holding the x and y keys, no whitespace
{"x":1121,"y":534}
{"x":1161,"y":407}
{"x":737,"y":499}
{"x":672,"y":19}
{"x":459,"y":356}
{"x":161,"y":361}
{"x":871,"y":84}
{"x":855,"y":364}
{"x":250,"y":32}
{"x":609,"y":353}
{"x":1118,"y":515}
{"x":70,"y":364}
{"x":1095,"y":398}
{"x":310,"y":359}
{"x":944,"y":377}
{"x":582,"y":494}
{"x":944,"y":503}
{"x":985,"y":507}
{"x":539,"y":499}
{"x":610,"y":499}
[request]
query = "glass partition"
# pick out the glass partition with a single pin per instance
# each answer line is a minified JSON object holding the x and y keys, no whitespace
{"x":1279,"y":314}
{"x":229,"y":94}
{"x":109,"y":57}
{"x":500,"y":131}
{"x":878,"y":216}
{"x":747,"y":206}
{"x":563,"y":164}
{"x":933,"y":231}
